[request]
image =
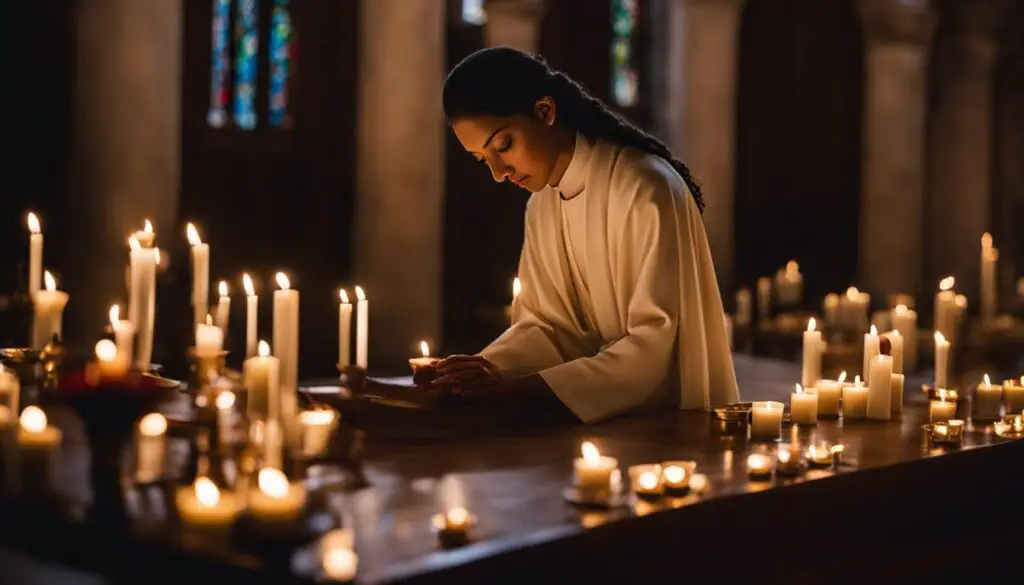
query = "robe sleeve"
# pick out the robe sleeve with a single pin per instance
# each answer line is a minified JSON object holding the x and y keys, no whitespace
{"x":531,"y":343}
{"x":627,"y":374}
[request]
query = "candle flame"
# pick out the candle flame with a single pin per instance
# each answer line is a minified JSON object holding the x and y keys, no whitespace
{"x":457,"y":516}
{"x":842,"y":377}
{"x":852,"y":293}
{"x":222,"y":288}
{"x":343,"y":296}
{"x":282,"y":281}
{"x":792,"y":268}
{"x":784,"y":456}
{"x":206,"y":492}
{"x":648,"y":480}
{"x":674,"y":474}
{"x":225,"y":400}
{"x":901,"y":310}
{"x":193,"y":235}
{"x":837,"y":449}
{"x":133,"y":243}
{"x":517,"y":287}
{"x":799,"y":389}
{"x":947,"y":283}
{"x":424,"y":349}
{"x":340,"y":563}
{"x":856,"y":380}
{"x":986,"y":240}
{"x":209,"y":320}
{"x":874,"y":330}
{"x":939,"y":338}
{"x":147,"y":227}
{"x":264,"y":349}
{"x":250,"y":290}
{"x":811,"y":323}
{"x":273,"y":483}
{"x":51,"y":282}
{"x":106,"y":351}
{"x":153,"y":425}
{"x":986,"y":380}
{"x":757,"y":461}
{"x":590,"y":453}
{"x":115,"y":315}
{"x":316,"y":418}
{"x":33,"y":419}
{"x":360,"y":295}
{"x":1018,"y":423}
{"x":33,"y":223}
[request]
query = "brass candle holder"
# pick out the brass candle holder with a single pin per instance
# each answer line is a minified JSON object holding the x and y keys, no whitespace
{"x":1011,"y":427}
{"x":949,"y":432}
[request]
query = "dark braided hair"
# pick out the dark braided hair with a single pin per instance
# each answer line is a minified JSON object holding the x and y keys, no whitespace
{"x":504,"y":82}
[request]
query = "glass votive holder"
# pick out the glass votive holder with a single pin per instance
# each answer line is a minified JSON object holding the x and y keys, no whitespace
{"x":946,"y":432}
{"x":942,"y":407}
{"x":1011,"y":427}
{"x":789,"y":460}
{"x":820,"y":454}
{"x":315,"y":430}
{"x":646,"y":481}
{"x":766,"y":420}
{"x":676,"y":476}
{"x":453,"y":526}
{"x":699,"y":484}
{"x":759,"y":466}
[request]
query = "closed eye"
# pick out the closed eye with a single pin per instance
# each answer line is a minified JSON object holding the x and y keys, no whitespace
{"x":506,"y":147}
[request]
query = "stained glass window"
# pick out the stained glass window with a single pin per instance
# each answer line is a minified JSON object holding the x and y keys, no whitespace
{"x":280,"y":63}
{"x":219,"y":92}
{"x":473,"y":12}
{"x":246,"y":62}
{"x":625,"y":77}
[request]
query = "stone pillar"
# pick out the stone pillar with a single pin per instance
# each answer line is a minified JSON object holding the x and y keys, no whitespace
{"x":399,"y":219}
{"x":960,"y":141}
{"x":514,"y":23}
{"x":126,"y":163}
{"x":700,"y":110}
{"x":897,"y":34}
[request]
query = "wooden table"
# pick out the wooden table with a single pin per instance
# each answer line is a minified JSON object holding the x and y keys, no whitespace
{"x":908,"y":511}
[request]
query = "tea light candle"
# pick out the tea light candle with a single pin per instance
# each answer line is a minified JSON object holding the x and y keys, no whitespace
{"x":855,"y":400}
{"x":252,"y":304}
{"x":789,"y":460}
{"x":425,"y":360}
{"x":951,"y":431}
{"x":35,"y":255}
{"x":941,"y":360}
{"x":646,"y":480}
{"x":49,"y":312}
{"x":699,"y":483}
{"x":803,"y":407}
{"x":944,"y":408}
{"x":276,"y":500}
{"x":453,"y":526}
{"x":223,"y":307}
{"x":340,"y":564}
{"x":988,"y":401}
{"x":1012,"y":391}
{"x":896,"y":392}
{"x":108,"y":363}
{"x":759,"y":466}
{"x":124,"y":335}
{"x":209,"y":338}
{"x":594,"y":473}
{"x":766,"y":420}
{"x":344,"y":330}
{"x":676,"y":475}
{"x":150,"y":447}
{"x":10,"y":389}
{"x":200,"y":273}
{"x":38,"y":443}
{"x":879,"y":405}
{"x":828,"y":393}
{"x":811,"y":369}
{"x":316,"y":427}
{"x":225,"y":404}
{"x":202,"y":505}
{"x":820,"y":454}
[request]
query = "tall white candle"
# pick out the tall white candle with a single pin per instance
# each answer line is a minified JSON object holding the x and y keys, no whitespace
{"x":871,"y":349}
{"x":811,"y":371}
{"x":286,"y":348}
{"x":988,"y":401}
{"x":251,"y":316}
{"x":223,"y":307}
{"x":830,"y":306}
{"x":803,"y":407}
{"x":200,"y":273}
{"x":766,"y":420}
{"x":744,"y":307}
{"x":896,"y":392}
{"x":35,"y":255}
{"x":124,"y":335}
{"x":989,"y":258}
{"x":344,"y":330}
{"x":904,"y":320}
{"x":855,"y":400}
{"x":362,"y":328}
{"x":150,"y":447}
{"x":209,"y":338}
{"x":944,"y":307}
{"x":142,"y":300}
{"x":261,"y":379}
{"x":146,"y":236}
{"x":896,"y":350}
{"x":880,"y":388}
{"x":941,"y":361}
{"x":49,"y":312}
{"x":764,"y":298}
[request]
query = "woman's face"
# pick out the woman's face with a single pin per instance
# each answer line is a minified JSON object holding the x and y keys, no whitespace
{"x":520,"y":149}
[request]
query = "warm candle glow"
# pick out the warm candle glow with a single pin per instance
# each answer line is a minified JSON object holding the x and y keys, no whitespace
{"x":106,"y":351}
{"x":894,"y":333}
{"x":757,"y":461}
{"x":156,"y":255}
{"x":960,"y":301}
{"x":792,"y":268}
{"x":250,"y":290}
{"x":901,"y":310}
{"x":343,"y":296}
{"x":33,"y":223}
{"x":193,"y":235}
{"x":799,"y":389}
{"x":986,"y":240}
{"x":273,"y":483}
{"x":838,"y":449}
{"x":264,"y":349}
{"x":424,"y":349}
{"x":856,"y":380}
{"x":319,"y":417}
{"x":115,"y":315}
{"x":209,"y":320}
{"x":590,"y":453}
{"x":206,"y":492}
{"x":947,"y":283}
{"x":282,"y":281}
{"x":33,"y":419}
{"x":225,"y":400}
{"x":986,"y":380}
{"x":147,"y":227}
{"x":842,"y":377}
{"x":939,"y":338}
{"x":674,"y":474}
{"x":783,"y":456}
{"x":874,"y":330}
{"x":222,"y":288}
{"x":852,"y":293}
{"x":153,"y":424}
{"x":133,"y":244}
{"x":811,"y":323}
{"x":517,"y":287}
{"x":51,"y":282}
{"x":360,"y":295}
{"x":648,"y":480}
{"x":458,"y":516}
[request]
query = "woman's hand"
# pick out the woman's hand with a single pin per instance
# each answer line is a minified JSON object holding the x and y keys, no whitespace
{"x":459,"y":373}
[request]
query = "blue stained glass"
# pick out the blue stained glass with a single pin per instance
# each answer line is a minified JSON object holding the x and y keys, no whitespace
{"x":625,"y":77}
{"x":280,"y":63}
{"x":219,"y":94}
{"x":247,"y":43}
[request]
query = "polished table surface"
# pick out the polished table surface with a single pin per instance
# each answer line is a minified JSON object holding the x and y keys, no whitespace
{"x":513,"y":483}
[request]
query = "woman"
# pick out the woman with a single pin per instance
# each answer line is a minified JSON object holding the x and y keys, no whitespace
{"x":619,"y":309}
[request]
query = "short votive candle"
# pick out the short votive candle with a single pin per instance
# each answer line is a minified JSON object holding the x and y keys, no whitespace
{"x":766,"y":420}
{"x":202,"y":504}
{"x":316,"y":428}
{"x":803,"y":407}
{"x":595,"y":474}
{"x":855,"y":400}
{"x":646,"y":480}
{"x":1013,"y":393}
{"x":759,"y":466}
{"x":988,"y":401}
{"x":828,"y":392}
{"x":943,"y":407}
{"x":677,"y":474}
{"x":150,"y":447}
{"x":275,"y":499}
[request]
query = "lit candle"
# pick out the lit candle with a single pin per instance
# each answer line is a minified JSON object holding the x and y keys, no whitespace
{"x":1012,"y":390}
{"x":988,"y":401}
{"x":951,"y":431}
{"x":202,"y":505}
{"x":37,"y":443}
{"x":251,"y":315}
{"x":150,"y":447}
{"x":941,"y":360}
{"x":811,"y":371}
{"x":764,"y":298}
{"x":10,"y":389}
{"x":49,"y":312}
{"x":830,"y":307}
{"x":200,"y":273}
{"x":871,"y":349}
{"x":594,"y":473}
{"x":35,"y":255}
{"x":944,"y":307}
{"x":766,"y":420}
{"x":820,"y":454}
{"x":261,"y":378}
{"x":276,"y":500}
{"x":646,"y":480}
{"x":223,"y":307}
{"x":146,"y":236}
{"x":803,"y":407}
{"x":855,"y":400}
{"x":789,"y":460}
{"x":943,"y":408}
{"x":828,"y":392}
{"x":225,"y":404}
{"x":855,"y":311}
{"x":676,"y":475}
{"x":699,"y":483}
{"x":895,"y":350}
{"x":209,"y":338}
{"x":362,"y":328}
{"x":453,"y":526}
{"x":316,"y":426}
{"x":344,"y":330}
{"x":109,"y":364}
{"x":142,"y":300}
{"x":286,"y":348}
{"x":340,"y":564}
{"x":124,"y":335}
{"x":989,"y":258}
{"x":517,"y":288}
{"x":896,"y":392}
{"x":904,"y":320}
{"x":425,"y":360}
{"x":879,"y":405}
{"x":759,"y":466}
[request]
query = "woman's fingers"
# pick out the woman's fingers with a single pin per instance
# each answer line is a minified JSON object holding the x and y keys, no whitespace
{"x":461,"y":377}
{"x":458,"y":360}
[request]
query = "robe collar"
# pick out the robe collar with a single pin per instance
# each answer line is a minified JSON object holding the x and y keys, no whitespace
{"x":575,"y":177}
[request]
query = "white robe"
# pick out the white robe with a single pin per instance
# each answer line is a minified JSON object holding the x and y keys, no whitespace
{"x":644,"y":328}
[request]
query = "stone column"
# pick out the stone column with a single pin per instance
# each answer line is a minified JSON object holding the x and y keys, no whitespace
{"x":960,"y":141}
{"x":897,"y":34}
{"x":700,"y":110}
{"x":399,"y":220}
{"x":126,"y":163}
{"x":514,"y":23}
